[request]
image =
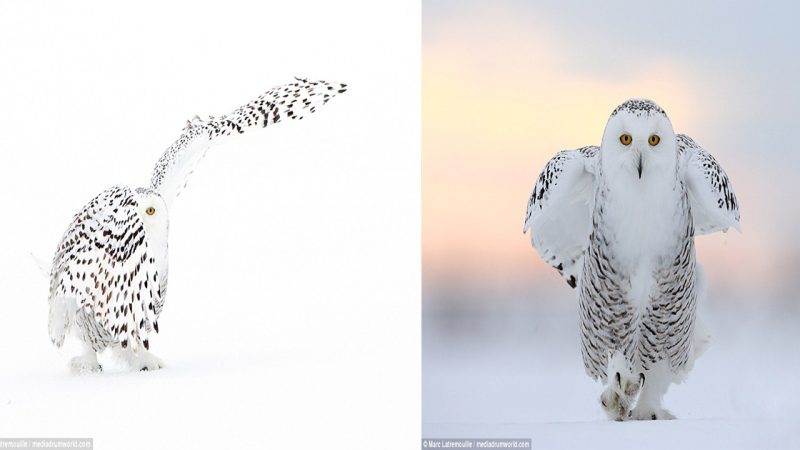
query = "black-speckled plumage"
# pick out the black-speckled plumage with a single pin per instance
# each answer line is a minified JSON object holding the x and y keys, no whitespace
{"x":104,"y":263}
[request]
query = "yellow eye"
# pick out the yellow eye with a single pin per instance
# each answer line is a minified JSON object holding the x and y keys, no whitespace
{"x":150,"y":211}
{"x":654,"y":139}
{"x":626,"y":139}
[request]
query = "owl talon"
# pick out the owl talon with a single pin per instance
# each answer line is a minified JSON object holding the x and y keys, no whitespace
{"x":616,"y":406}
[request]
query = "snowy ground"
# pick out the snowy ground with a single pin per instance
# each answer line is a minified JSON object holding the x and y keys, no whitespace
{"x":513,"y":369}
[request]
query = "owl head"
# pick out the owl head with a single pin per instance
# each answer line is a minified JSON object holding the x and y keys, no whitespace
{"x":638,"y":142}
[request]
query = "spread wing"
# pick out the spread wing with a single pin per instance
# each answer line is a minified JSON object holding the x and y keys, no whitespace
{"x":292,"y":101}
{"x":560,"y":210}
{"x":103,"y":263}
{"x":713,"y":202}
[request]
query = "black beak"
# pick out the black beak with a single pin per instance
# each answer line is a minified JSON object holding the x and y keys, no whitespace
{"x":639,"y":167}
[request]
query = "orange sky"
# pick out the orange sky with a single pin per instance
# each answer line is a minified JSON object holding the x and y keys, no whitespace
{"x":496,"y":106}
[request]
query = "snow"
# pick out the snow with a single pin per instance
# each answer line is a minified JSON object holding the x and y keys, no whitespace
{"x":513,"y":369}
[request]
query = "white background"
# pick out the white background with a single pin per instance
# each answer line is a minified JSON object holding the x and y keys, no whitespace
{"x":292,"y":319}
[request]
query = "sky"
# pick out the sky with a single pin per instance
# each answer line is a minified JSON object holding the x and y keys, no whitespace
{"x":506,"y":85}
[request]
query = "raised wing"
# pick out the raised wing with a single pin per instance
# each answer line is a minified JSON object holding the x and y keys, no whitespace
{"x":560,"y":210}
{"x":713,"y":202}
{"x":103,"y":263}
{"x":292,"y":101}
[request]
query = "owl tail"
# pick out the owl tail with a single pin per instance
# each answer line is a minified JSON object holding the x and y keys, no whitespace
{"x":59,"y":318}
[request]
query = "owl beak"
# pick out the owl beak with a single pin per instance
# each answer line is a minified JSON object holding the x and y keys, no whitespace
{"x":639,"y":166}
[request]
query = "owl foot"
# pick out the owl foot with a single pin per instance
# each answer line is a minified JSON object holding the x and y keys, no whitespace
{"x":620,"y":396}
{"x":642,"y":412}
{"x":146,"y":361}
{"x":139,"y":360}
{"x":86,"y":363}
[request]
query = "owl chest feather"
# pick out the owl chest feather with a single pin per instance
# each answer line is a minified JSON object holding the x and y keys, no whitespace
{"x":644,"y":229}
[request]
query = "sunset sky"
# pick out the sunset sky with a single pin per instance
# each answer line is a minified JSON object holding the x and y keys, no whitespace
{"x":507,"y":86}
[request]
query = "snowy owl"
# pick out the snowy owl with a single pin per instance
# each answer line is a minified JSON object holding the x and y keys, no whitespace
{"x":108,"y":279}
{"x":618,"y":222}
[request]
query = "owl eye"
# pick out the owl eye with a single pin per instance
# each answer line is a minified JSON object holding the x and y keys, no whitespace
{"x":654,"y":140}
{"x":150,"y":211}
{"x":626,"y":139}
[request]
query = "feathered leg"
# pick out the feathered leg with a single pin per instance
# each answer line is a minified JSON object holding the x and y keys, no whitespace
{"x":86,"y":362}
{"x":140,"y":359}
{"x":657,"y":381}
{"x":622,"y":388}
{"x":660,"y":376}
{"x":84,"y":330}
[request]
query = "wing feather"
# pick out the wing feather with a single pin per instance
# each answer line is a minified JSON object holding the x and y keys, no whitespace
{"x":293,"y":101}
{"x":713,"y":202}
{"x":560,"y":209}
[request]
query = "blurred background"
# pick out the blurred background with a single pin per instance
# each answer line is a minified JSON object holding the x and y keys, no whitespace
{"x":505,"y":86}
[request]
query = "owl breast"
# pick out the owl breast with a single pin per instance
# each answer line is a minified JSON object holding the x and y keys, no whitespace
{"x":641,"y":251}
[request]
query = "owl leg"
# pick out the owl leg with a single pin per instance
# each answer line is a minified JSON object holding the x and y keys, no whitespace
{"x":622,"y":389}
{"x":90,"y":344}
{"x":648,"y":407}
{"x":620,"y":396}
{"x":140,"y":359}
{"x":86,"y":362}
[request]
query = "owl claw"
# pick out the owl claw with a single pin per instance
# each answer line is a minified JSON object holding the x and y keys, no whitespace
{"x":619,"y":398}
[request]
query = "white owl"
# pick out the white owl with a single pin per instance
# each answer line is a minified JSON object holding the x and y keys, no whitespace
{"x":108,"y":279}
{"x":618,"y":222}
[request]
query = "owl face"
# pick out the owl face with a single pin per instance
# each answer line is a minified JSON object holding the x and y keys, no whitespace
{"x":153,"y":211}
{"x":638,"y":142}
